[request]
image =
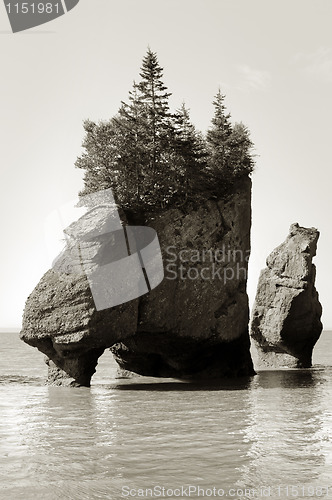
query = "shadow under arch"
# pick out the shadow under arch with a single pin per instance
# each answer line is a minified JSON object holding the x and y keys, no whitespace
{"x":167,"y":385}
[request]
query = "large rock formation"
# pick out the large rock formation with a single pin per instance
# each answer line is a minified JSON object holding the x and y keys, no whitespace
{"x":193,"y":325}
{"x":286,"y":315}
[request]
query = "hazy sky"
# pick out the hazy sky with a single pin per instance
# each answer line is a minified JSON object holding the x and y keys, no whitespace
{"x":272,"y":59}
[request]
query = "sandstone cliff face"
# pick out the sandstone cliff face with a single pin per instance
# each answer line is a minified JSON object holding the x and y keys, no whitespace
{"x":193,"y":325}
{"x":286,"y":315}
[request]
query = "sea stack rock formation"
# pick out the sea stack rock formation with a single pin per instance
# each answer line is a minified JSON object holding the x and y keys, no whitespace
{"x":193,"y":325}
{"x":286,"y":314}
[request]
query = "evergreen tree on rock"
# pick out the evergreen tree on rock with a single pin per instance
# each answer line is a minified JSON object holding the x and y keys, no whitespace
{"x":100,"y":157}
{"x":150,"y":131}
{"x":190,"y":154}
{"x":218,"y":139}
{"x":241,"y":159}
{"x":152,"y":158}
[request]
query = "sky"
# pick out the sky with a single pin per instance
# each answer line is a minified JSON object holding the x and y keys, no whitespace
{"x":272,"y":59}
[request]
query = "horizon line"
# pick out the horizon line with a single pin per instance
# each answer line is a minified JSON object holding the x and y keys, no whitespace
{"x":13,"y":329}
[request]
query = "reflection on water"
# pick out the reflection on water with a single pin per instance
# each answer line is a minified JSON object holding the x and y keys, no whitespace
{"x":289,"y":426}
{"x":65,"y":443}
{"x":145,"y":384}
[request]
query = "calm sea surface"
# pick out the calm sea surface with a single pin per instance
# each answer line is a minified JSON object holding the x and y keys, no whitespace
{"x":269,"y":437}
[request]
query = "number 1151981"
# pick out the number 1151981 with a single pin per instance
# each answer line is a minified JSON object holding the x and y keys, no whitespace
{"x":33,"y":8}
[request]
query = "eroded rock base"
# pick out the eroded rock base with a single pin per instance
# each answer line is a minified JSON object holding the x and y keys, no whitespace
{"x":73,"y":371}
{"x":160,"y":355}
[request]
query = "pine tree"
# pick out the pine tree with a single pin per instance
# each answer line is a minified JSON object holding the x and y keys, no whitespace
{"x":218,"y":137}
{"x":153,"y":104}
{"x":132,"y":121}
{"x":146,"y":123}
{"x":190,"y":154}
{"x":100,"y":157}
{"x":241,"y":161}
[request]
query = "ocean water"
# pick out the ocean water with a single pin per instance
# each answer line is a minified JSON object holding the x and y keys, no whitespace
{"x":267,"y":437}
